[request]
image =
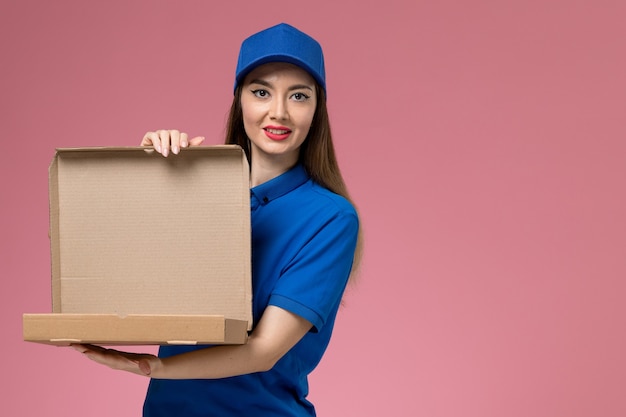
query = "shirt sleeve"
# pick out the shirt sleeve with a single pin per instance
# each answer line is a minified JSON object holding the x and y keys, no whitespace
{"x":313,"y":283}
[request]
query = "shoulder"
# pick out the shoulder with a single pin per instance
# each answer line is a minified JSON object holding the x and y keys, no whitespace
{"x":327,"y":201}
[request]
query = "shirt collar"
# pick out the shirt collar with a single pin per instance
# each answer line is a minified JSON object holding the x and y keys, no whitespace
{"x":281,"y":185}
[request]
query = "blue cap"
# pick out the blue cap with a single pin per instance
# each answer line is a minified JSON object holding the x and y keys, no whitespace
{"x":281,"y":43}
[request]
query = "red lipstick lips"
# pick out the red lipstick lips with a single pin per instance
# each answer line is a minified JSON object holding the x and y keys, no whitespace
{"x":277,"y":132}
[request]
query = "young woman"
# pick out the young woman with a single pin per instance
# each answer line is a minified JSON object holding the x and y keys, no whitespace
{"x":305,"y":244}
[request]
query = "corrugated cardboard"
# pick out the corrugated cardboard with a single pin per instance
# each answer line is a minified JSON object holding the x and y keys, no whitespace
{"x":146,"y":249}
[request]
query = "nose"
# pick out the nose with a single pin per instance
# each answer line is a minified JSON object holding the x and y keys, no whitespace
{"x":278,"y":109}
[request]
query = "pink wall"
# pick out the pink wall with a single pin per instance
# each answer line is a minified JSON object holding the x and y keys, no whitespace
{"x":484,"y":140}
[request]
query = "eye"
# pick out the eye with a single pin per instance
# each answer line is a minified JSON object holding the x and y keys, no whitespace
{"x":260,"y":93}
{"x":300,"y":96}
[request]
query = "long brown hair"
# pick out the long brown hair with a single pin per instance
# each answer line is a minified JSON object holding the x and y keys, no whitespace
{"x":317,"y":154}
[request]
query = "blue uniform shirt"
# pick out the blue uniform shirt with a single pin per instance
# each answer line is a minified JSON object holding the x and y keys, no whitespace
{"x":303,"y":241}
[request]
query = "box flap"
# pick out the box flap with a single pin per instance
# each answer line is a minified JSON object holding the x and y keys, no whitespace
{"x":134,"y":233}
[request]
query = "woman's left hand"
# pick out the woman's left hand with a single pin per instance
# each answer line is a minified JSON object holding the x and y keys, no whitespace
{"x":137,"y":363}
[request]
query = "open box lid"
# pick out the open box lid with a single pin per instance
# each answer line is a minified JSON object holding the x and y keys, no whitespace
{"x":134,"y":233}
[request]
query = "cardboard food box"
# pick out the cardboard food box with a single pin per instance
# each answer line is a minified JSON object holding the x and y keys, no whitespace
{"x":147,"y":249}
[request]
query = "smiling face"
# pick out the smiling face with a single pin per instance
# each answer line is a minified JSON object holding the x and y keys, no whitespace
{"x":278,"y":101}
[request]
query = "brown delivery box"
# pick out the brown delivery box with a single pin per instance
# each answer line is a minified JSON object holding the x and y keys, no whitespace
{"x":146,"y":249}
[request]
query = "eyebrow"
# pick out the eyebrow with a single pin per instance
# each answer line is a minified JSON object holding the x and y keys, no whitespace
{"x":292,"y":87}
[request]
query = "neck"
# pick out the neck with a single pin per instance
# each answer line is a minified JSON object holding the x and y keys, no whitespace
{"x":263,"y":168}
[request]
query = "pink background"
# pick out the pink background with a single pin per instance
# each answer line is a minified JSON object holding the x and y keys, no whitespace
{"x":485,"y":142}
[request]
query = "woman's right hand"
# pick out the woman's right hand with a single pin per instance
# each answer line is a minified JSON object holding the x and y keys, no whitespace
{"x":165,"y":140}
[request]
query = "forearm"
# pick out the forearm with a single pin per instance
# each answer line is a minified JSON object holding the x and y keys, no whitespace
{"x":277,"y":332}
{"x":214,"y":362}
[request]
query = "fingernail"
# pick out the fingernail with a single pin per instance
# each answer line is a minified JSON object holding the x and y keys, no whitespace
{"x":184,"y":144}
{"x":175,"y":150}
